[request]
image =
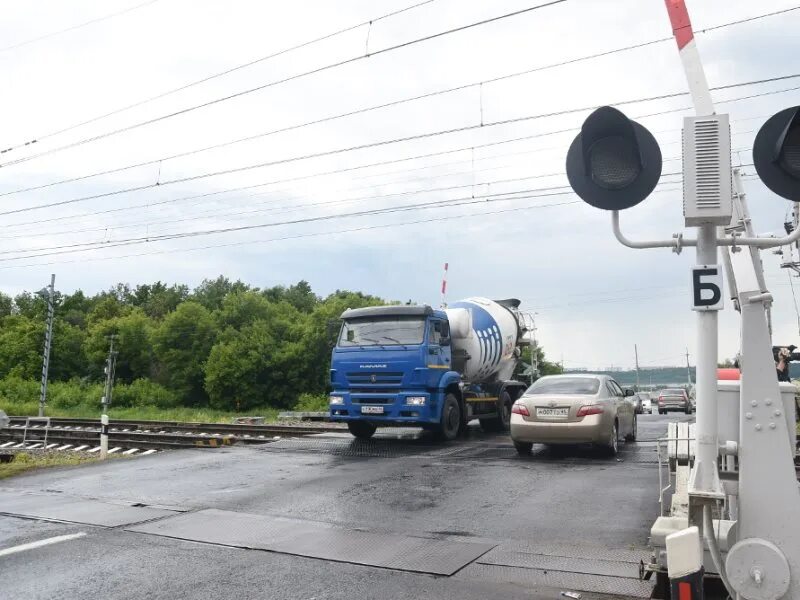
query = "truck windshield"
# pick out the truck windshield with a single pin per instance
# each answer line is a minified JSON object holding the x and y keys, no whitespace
{"x":385,"y":331}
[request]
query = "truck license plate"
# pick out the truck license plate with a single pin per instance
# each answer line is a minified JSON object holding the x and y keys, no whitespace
{"x":552,"y":412}
{"x":371,"y":410}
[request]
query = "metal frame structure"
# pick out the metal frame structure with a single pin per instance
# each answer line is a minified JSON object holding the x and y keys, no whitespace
{"x":759,"y":505}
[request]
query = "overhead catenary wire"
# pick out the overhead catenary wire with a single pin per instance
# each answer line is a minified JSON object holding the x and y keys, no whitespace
{"x":293,"y":207}
{"x":218,"y":74}
{"x":364,"y":110}
{"x":447,"y":203}
{"x":78,"y":26}
{"x":294,"y":77}
{"x":397,"y":140}
{"x":363,"y":166}
{"x":466,"y":200}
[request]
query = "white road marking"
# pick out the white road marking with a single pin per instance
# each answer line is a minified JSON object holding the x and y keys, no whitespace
{"x":40,"y":543}
{"x":79,"y":448}
{"x":65,"y":446}
{"x":95,"y":449}
{"x":7,"y":444}
{"x":148,"y":452}
{"x":117,"y":449}
{"x":131,"y":451}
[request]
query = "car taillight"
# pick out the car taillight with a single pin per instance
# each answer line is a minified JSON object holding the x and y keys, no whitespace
{"x":591,"y":409}
{"x":661,"y":399}
{"x":520,"y":409}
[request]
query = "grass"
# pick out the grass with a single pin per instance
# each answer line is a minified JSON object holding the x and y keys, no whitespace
{"x":149,"y":413}
{"x":26,"y":462}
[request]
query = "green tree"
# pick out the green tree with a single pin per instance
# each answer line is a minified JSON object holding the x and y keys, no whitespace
{"x":300,"y":296}
{"x":67,"y":356}
{"x":212,"y":292}
{"x":157,"y":300}
{"x":6,"y":305}
{"x":133,"y":331}
{"x":182,"y":343}
{"x":21,"y":343}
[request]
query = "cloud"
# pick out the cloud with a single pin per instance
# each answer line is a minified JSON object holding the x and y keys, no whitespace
{"x":595,"y":299}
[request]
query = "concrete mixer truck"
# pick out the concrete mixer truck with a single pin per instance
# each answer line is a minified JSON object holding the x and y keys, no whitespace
{"x":421,"y":367}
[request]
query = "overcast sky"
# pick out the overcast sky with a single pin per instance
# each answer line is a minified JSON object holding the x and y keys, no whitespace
{"x":594,"y":299}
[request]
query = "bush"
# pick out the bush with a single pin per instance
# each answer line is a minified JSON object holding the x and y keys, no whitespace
{"x":312,"y":403}
{"x":16,"y":390}
{"x":141,"y":393}
{"x":68,"y":394}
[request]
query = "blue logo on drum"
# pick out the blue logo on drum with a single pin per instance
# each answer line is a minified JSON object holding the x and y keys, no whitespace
{"x":489,"y":340}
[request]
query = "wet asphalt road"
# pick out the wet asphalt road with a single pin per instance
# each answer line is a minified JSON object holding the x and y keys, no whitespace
{"x":474,"y":490}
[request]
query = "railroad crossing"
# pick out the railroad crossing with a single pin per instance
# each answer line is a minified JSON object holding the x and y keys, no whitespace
{"x":244,"y":515}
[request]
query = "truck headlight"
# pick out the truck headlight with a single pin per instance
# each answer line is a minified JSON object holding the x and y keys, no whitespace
{"x":416,"y":400}
{"x":336,"y":400}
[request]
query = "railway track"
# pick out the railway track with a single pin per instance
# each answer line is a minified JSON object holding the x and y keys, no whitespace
{"x":141,"y":436}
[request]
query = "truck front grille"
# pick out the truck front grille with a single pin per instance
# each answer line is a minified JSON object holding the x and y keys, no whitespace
{"x":374,"y":378}
{"x":371,"y":400}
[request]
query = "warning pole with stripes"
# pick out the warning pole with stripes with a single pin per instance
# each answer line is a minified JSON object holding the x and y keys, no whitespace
{"x":444,"y":286}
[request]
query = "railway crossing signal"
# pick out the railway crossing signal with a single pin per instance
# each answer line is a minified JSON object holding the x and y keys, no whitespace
{"x":776,"y":153}
{"x":613,"y":163}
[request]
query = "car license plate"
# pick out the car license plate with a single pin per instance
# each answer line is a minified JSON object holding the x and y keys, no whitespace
{"x":552,"y":412}
{"x":371,"y":410}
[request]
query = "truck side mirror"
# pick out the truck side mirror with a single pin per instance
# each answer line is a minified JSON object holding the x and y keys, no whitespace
{"x":629,"y":392}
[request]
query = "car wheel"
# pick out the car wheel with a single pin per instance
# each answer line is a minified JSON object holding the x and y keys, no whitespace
{"x":631,"y":437}
{"x":612,"y":446}
{"x":361,"y":429}
{"x":688,"y":410}
{"x":523,"y":448}
{"x":450,"y":425}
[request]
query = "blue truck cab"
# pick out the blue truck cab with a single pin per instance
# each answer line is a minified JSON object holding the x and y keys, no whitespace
{"x":394,"y":366}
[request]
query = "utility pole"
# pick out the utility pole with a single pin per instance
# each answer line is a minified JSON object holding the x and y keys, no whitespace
{"x":636,"y":354}
{"x":688,"y":369}
{"x":48,"y":340}
{"x":108,"y":390}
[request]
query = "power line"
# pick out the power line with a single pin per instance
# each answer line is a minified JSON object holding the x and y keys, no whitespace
{"x":74,"y":27}
{"x":294,"y":77}
{"x":290,"y":208}
{"x":403,"y":139}
{"x":293,"y":207}
{"x":306,"y":235}
{"x":370,"y":212}
{"x":365,"y":109}
{"x":449,"y":203}
{"x":359,"y":167}
{"x":219,"y":74}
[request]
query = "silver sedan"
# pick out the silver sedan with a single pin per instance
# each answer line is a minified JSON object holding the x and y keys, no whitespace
{"x":573,"y":409}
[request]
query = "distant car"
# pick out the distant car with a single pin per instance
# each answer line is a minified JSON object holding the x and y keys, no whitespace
{"x":674,"y":399}
{"x":573,"y":409}
{"x":3,"y":419}
{"x":647,"y":403}
{"x":637,"y":398}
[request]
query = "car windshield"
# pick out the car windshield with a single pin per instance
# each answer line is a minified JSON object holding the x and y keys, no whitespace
{"x":672,"y":392}
{"x":384,"y":331}
{"x":564,"y":385}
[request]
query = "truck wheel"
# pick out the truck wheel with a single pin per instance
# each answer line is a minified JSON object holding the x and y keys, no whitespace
{"x":361,"y":429}
{"x":450,"y":425}
{"x":503,"y":421}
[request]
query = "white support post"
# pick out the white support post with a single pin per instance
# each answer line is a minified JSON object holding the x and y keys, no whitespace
{"x":103,"y":435}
